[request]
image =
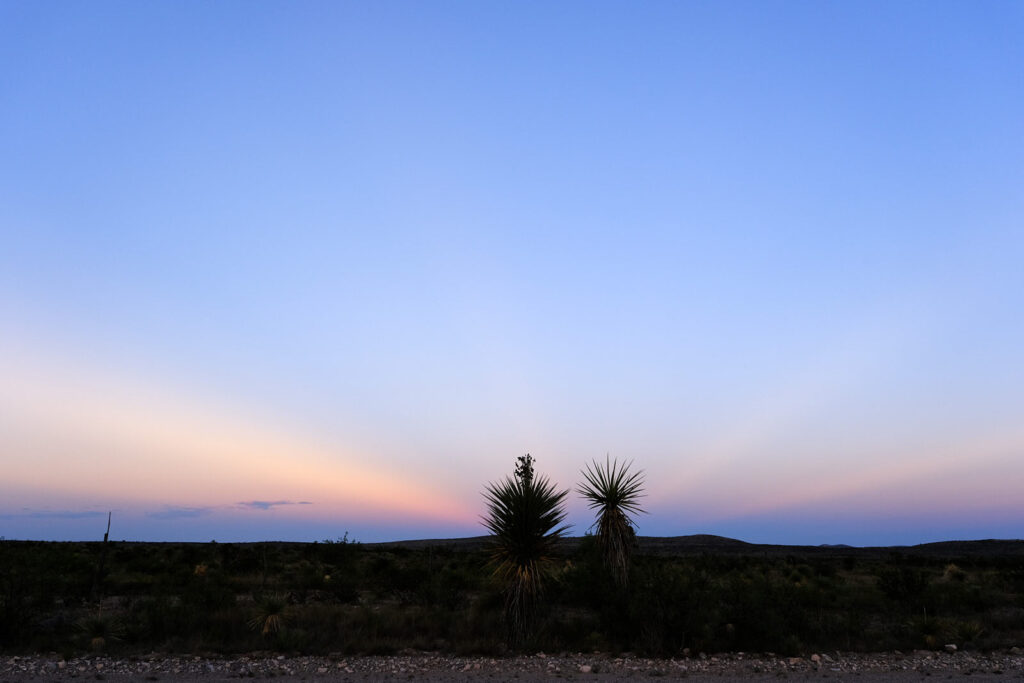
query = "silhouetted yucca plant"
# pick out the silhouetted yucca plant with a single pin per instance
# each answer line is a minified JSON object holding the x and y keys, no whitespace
{"x":614,"y":493}
{"x":525,"y":516}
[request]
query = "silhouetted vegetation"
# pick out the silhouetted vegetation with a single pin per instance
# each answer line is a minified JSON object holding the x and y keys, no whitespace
{"x":342,"y":597}
{"x":614,"y":493}
{"x":524,"y":515}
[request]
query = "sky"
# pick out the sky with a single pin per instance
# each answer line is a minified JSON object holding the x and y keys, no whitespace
{"x":287,"y":270}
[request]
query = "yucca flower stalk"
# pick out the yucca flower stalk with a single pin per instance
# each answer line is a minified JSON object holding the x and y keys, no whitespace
{"x":614,"y":493}
{"x":525,"y":515}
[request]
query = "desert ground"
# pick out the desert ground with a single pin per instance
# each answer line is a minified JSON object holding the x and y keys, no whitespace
{"x":900,"y":667}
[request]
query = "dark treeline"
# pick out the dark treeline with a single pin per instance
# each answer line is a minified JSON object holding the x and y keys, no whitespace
{"x":342,"y":597}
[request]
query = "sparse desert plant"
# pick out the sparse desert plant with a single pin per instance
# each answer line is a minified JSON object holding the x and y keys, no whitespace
{"x":271,"y":614}
{"x":902,"y":583}
{"x":525,"y":515}
{"x":99,"y":631}
{"x":954,"y":573}
{"x":968,"y":632}
{"x":614,"y":493}
{"x":931,"y":630}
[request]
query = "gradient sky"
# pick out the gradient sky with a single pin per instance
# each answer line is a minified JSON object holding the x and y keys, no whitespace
{"x":281,"y":270}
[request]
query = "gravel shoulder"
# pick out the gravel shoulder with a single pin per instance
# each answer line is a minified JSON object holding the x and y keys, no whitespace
{"x":917,"y":666}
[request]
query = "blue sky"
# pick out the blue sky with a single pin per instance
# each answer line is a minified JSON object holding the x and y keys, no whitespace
{"x":354,"y":258}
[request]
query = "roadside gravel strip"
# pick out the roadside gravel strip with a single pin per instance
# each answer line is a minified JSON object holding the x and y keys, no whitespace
{"x":917,"y":666}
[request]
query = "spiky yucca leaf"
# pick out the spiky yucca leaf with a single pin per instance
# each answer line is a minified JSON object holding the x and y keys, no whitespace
{"x":614,"y":493}
{"x":525,"y":517}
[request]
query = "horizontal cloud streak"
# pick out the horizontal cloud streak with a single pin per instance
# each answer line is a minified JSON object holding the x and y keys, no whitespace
{"x":53,"y":514}
{"x":269,"y":504}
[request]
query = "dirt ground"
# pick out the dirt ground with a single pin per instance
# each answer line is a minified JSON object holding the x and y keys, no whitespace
{"x":432,"y":667}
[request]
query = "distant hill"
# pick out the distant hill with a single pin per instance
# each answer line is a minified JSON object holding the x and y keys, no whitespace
{"x":706,"y":544}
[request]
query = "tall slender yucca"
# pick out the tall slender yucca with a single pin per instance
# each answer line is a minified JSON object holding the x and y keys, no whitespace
{"x":614,"y":492}
{"x":525,"y":516}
